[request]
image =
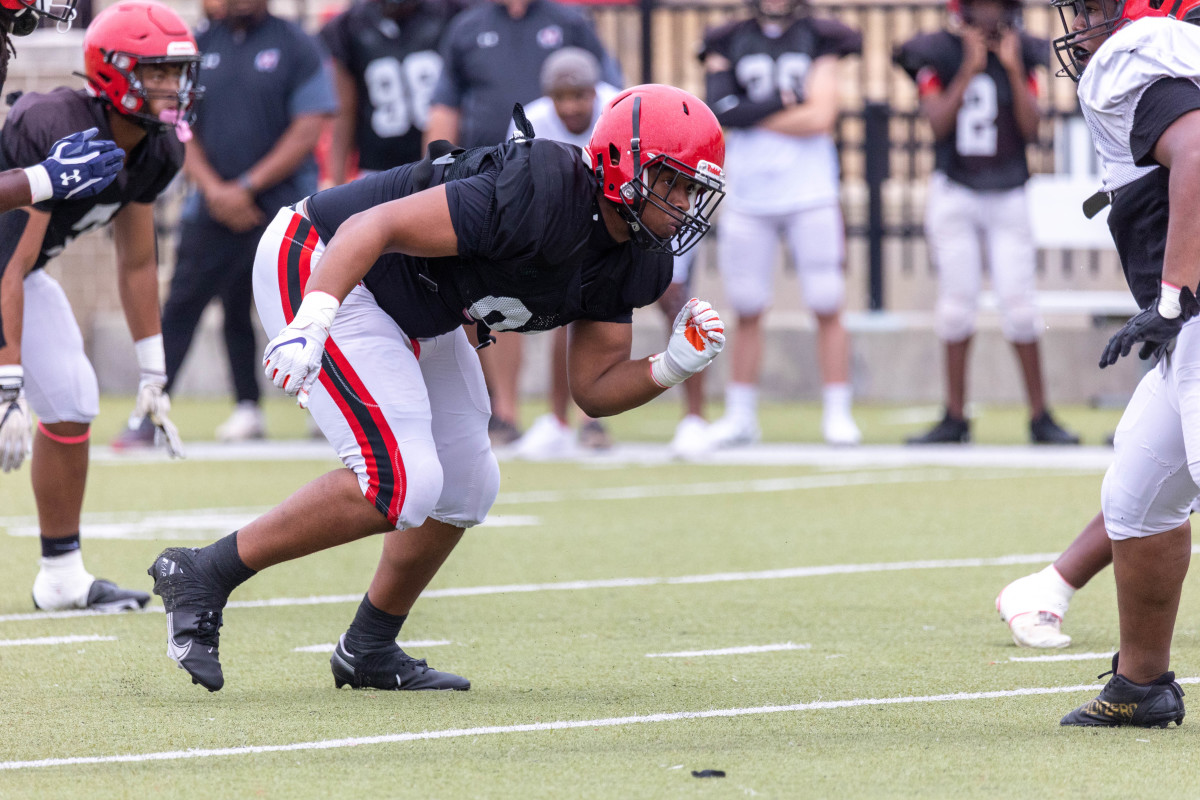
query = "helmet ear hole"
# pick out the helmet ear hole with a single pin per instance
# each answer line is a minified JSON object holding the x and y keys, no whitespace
{"x":614,"y":155}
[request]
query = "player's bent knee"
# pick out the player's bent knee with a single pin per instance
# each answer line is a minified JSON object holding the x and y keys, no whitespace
{"x":421,"y":493}
{"x":825,"y":290}
{"x":955,"y":318}
{"x":466,"y":503}
{"x":1022,"y":323}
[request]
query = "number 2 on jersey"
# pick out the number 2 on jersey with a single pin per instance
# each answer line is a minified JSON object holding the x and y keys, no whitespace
{"x":975,"y":133}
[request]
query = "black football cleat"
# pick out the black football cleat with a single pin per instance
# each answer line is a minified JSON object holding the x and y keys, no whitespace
{"x":1122,"y":702}
{"x":193,"y":609}
{"x":951,"y":430}
{"x":107,"y":596}
{"x":1046,"y":430}
{"x":390,"y":670}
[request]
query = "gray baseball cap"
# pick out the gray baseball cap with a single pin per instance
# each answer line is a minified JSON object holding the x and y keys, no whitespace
{"x":569,"y":68}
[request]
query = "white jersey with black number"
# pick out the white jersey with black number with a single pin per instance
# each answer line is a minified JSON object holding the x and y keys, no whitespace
{"x":1119,"y":73}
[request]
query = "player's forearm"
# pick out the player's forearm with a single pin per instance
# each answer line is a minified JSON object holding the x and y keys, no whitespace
{"x":1024,"y":105}
{"x":14,"y":190}
{"x":12,"y":309}
{"x":443,"y":124}
{"x":339,"y":147}
{"x":941,"y":108}
{"x":137,"y":286}
{"x":1181,"y":266}
{"x":296,"y":144}
{"x":623,"y":386}
{"x":197,"y":168}
{"x":350,"y":254}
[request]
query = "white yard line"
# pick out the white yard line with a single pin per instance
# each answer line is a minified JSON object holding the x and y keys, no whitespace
{"x":611,"y":583}
{"x":537,"y":727}
{"x":1011,"y":456}
{"x":1064,"y":657}
{"x":329,"y":648}
{"x":50,"y":640}
{"x":732,"y":651}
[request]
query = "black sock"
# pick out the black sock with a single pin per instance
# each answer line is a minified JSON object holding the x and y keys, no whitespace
{"x":221,"y":560}
{"x":60,"y":546}
{"x":373,"y":631}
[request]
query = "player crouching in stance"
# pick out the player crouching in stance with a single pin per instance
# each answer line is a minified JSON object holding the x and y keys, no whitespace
{"x":371,"y":283}
{"x":140,"y":63}
{"x":1137,"y":63}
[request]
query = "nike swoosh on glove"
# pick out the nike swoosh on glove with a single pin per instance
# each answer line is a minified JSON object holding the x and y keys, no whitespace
{"x":16,"y":426}
{"x":697,"y":336}
{"x":293,"y":358}
{"x":1152,"y":328}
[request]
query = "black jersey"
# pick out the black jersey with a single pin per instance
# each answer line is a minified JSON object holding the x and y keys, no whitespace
{"x":37,"y":121}
{"x":764,"y":62}
{"x":985,"y":150}
{"x":534,"y":252}
{"x":395,"y":64}
{"x":1141,"y":209}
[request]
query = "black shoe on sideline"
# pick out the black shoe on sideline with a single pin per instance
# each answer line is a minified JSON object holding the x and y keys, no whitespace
{"x":394,"y":670}
{"x":193,"y":609}
{"x":1045,"y":430}
{"x":951,"y":430}
{"x":1122,"y":702}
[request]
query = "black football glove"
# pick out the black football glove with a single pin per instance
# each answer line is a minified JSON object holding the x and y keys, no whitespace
{"x":1151,"y":328}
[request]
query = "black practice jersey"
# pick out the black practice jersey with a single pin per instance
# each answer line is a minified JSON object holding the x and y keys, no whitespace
{"x":985,"y":150}
{"x":1140,"y":210}
{"x":534,"y":253}
{"x":763,"y":64}
{"x":395,"y":65}
{"x":37,"y":121}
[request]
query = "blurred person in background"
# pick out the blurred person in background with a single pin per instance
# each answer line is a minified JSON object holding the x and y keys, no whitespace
{"x":386,"y":64}
{"x":572,"y":98}
{"x":141,"y":66}
{"x":978,"y":90}
{"x":492,"y":57}
{"x":772,"y":81}
{"x":267,"y":97}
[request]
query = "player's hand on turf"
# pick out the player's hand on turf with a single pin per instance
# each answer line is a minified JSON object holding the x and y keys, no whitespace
{"x":293,"y":358}
{"x":16,"y":426}
{"x":696,"y":337}
{"x":81,"y":165}
{"x":153,"y":402}
{"x":1150,"y":327}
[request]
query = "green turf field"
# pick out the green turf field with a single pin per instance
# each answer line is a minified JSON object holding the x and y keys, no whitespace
{"x":880,"y":675}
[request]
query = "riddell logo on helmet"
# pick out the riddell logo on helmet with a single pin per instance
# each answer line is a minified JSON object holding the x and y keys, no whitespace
{"x":181,"y":49}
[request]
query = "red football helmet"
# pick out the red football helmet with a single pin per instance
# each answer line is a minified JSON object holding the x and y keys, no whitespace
{"x":134,"y":33}
{"x":652,"y":132}
{"x":24,"y":15}
{"x":1105,"y":21}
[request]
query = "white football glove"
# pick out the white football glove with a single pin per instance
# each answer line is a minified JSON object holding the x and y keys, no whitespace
{"x":16,"y":426}
{"x":293,"y":358}
{"x":152,"y":399}
{"x":696,"y":338}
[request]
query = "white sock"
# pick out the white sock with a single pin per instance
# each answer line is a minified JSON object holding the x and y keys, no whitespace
{"x":65,"y":568}
{"x":1055,"y":582}
{"x":62,"y":582}
{"x":837,"y":397}
{"x":741,"y":400}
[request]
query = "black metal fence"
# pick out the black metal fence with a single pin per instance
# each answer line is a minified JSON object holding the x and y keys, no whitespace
{"x":885,"y":146}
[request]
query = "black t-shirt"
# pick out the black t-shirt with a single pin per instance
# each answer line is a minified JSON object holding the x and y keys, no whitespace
{"x":534,"y":253}
{"x":1140,"y":211}
{"x":37,"y":121}
{"x":395,"y":64}
{"x":491,"y":60}
{"x":985,"y":149}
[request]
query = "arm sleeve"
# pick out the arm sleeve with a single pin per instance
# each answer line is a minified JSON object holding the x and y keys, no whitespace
{"x":449,"y":88}
{"x":312,"y":89}
{"x":1165,"y":101}
{"x":472,"y":212}
{"x":732,"y":107}
{"x":335,"y":37}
